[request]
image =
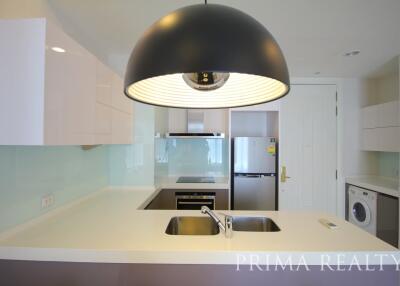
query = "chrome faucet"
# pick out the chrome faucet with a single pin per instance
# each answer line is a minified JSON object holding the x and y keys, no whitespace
{"x":227,"y":228}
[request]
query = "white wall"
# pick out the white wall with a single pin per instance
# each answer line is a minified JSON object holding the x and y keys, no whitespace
{"x":17,"y":9}
{"x":242,"y":123}
{"x":14,"y":9}
{"x":355,"y":95}
{"x":387,"y":88}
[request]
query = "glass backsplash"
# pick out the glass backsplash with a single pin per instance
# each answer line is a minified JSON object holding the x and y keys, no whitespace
{"x":29,"y":173}
{"x":388,"y":164}
{"x":133,"y":164}
{"x":192,"y":157}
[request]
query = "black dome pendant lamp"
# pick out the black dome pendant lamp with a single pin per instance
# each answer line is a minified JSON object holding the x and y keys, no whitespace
{"x":206,"y":56}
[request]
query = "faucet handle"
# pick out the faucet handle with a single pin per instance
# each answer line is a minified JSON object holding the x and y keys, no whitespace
{"x":228,"y":226}
{"x":205,"y":209}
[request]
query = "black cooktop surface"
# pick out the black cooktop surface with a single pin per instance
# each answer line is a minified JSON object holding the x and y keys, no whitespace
{"x":196,"y":180}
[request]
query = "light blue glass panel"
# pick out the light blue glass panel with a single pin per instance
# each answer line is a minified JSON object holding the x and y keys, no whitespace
{"x":197,"y":157}
{"x":29,"y":173}
{"x":161,"y":160}
{"x":389,"y":164}
{"x":133,"y":165}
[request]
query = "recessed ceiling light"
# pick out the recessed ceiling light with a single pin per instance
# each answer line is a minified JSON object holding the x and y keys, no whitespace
{"x":351,"y":53}
{"x":58,"y":49}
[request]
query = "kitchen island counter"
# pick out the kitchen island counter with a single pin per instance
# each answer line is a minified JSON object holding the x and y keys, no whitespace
{"x":108,"y":227}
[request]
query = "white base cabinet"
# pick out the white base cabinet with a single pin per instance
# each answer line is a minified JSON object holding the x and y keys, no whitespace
{"x":57,"y":98}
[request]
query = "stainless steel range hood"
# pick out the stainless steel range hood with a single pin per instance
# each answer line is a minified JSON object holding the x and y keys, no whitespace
{"x":195,"y":127}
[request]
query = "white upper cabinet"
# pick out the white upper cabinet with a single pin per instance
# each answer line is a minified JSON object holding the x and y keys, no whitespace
{"x":381,"y":131}
{"x":54,"y":92}
{"x":215,"y":120}
{"x":22,"y":58}
{"x":104,"y":86}
{"x":70,"y":91}
{"x":269,"y":106}
{"x":370,"y":116}
{"x":381,"y":115}
{"x":386,"y":139}
{"x":177,"y":120}
{"x":161,"y":121}
{"x":114,"y":118}
{"x":388,"y":114}
{"x":380,"y":119}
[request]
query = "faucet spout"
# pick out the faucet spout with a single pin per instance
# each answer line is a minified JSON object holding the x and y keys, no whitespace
{"x":206,"y":210}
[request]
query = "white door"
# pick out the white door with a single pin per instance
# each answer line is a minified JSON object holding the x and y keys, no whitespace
{"x":308,"y":149}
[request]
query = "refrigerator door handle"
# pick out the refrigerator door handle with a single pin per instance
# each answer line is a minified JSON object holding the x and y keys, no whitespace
{"x":255,"y":175}
{"x":249,"y":175}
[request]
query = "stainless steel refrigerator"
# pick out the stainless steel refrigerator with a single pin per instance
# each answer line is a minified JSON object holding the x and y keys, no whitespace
{"x":254,"y":173}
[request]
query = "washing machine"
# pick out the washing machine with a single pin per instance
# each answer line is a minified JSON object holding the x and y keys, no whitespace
{"x":363,"y":209}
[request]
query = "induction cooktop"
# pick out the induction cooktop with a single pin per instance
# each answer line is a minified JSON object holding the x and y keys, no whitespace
{"x":196,"y":180}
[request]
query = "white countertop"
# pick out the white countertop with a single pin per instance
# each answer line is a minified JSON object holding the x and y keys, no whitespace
{"x":107,"y":227}
{"x":382,"y":185}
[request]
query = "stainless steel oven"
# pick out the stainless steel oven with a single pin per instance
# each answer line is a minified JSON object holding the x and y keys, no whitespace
{"x":194,"y":200}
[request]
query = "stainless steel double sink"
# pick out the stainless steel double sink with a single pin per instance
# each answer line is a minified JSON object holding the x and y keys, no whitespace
{"x":193,"y":225}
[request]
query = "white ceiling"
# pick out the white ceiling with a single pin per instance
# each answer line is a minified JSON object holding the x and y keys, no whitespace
{"x":313,"y":34}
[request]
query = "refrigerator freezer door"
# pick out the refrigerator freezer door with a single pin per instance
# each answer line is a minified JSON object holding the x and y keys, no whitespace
{"x":254,"y":193}
{"x":254,"y":155}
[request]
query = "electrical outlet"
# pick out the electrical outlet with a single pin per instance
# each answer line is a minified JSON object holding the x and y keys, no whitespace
{"x":47,"y":201}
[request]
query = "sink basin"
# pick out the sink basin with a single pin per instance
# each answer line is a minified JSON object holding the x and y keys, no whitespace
{"x":192,"y":225}
{"x":254,"y":224}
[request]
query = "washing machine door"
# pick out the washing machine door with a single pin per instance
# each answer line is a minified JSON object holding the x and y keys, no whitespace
{"x":361,"y":213}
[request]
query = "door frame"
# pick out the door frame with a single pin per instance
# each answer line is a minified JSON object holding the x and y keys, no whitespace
{"x":340,"y":182}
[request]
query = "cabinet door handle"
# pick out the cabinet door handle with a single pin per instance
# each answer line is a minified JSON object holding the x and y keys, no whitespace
{"x":195,"y":203}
